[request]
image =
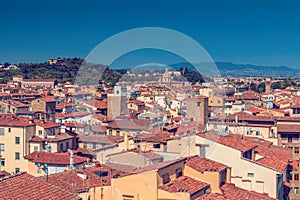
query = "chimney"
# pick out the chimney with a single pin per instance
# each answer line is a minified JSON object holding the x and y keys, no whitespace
{"x":126,"y":141}
{"x":71,"y":159}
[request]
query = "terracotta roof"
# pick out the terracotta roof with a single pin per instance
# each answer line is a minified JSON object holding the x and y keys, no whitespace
{"x":94,"y":138}
{"x":65,"y":179}
{"x":13,"y":120}
{"x":36,"y":139}
{"x":4,"y":94}
{"x":116,"y":139}
{"x":54,"y":158}
{"x":129,"y":124}
{"x":199,"y":98}
{"x":244,"y":116}
{"x":59,"y":137}
{"x":274,"y":157}
{"x":71,"y":114}
{"x":288,"y":128}
{"x":15,"y":103}
{"x":214,"y":196}
{"x":230,"y":141}
{"x":157,"y":137}
{"x":103,"y":118}
{"x":235,"y":193}
{"x":24,"y":186}
{"x":97,"y":128}
{"x":292,"y":119}
{"x":96,"y":103}
{"x":185,"y":184}
{"x":48,"y":99}
{"x":46,"y":124}
{"x":74,"y":125}
{"x":204,"y":165}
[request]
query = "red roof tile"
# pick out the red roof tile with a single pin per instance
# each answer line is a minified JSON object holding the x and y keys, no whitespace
{"x":230,"y":141}
{"x":23,"y":186}
{"x":74,"y":125}
{"x":103,"y":118}
{"x":46,"y":124}
{"x":185,"y":184}
{"x":288,"y":128}
{"x":97,"y":128}
{"x":128,"y":124}
{"x":232,"y":192}
{"x":65,"y":179}
{"x":54,"y":158}
{"x":204,"y":165}
{"x":13,"y":120}
{"x":36,"y":139}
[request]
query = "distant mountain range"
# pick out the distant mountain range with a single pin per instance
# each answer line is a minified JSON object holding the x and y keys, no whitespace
{"x":243,"y":70}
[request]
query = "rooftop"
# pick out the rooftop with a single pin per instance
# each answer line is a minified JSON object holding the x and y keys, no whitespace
{"x":184,"y":184}
{"x":54,"y":158}
{"x":204,"y":165}
{"x":230,"y":141}
{"x":22,"y":186}
{"x":14,"y":121}
{"x":90,"y":178}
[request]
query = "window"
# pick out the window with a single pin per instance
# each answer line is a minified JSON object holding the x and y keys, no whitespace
{"x":250,"y":175}
{"x":1,"y":131}
{"x":118,"y":133}
{"x":61,"y":146}
{"x":296,"y":190}
{"x":84,"y":145}
{"x":257,"y":132}
{"x":17,"y":140}
{"x":94,"y":145}
{"x":40,"y":132}
{"x":296,"y":177}
{"x":67,"y":145}
{"x":48,"y":148}
{"x":110,"y":132}
{"x":296,"y":150}
{"x":198,"y":104}
{"x":36,"y":148}
{"x":178,"y":172}
{"x":9,"y":130}
{"x":2,"y":147}
{"x":17,"y":155}
{"x":289,"y":138}
{"x":17,"y":170}
{"x":156,"y":145}
{"x":127,"y":197}
{"x":2,"y":163}
{"x":166,"y":178}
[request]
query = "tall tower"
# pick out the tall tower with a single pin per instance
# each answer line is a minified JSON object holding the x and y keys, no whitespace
{"x":117,"y":102}
{"x":268,"y":85}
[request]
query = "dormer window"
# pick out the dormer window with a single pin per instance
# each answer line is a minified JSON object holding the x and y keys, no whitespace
{"x":178,"y":172}
{"x":166,"y":178}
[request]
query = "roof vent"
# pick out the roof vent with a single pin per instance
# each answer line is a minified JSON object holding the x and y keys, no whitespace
{"x":81,"y":175}
{"x":222,"y":134}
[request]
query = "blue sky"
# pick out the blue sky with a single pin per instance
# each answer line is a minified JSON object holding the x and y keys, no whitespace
{"x":255,"y":32}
